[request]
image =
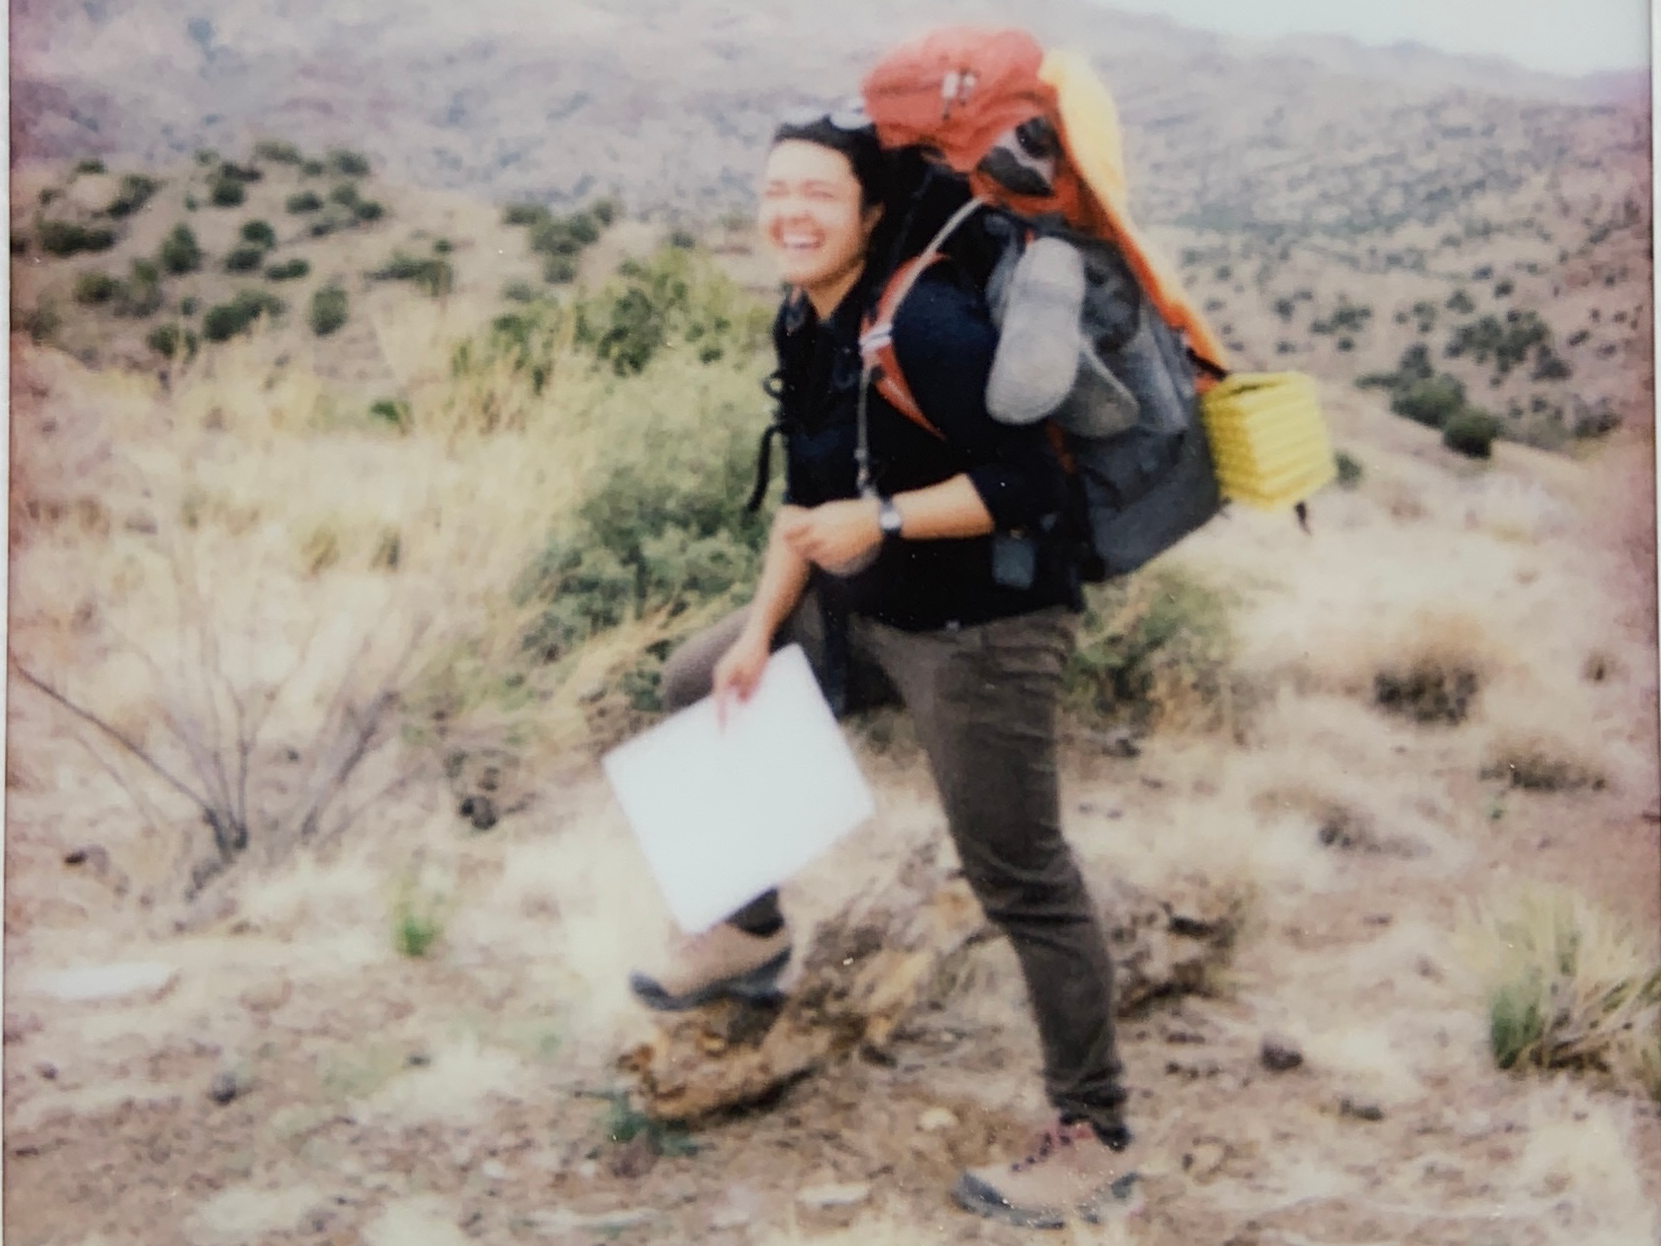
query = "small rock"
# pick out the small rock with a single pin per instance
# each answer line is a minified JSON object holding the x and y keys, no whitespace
{"x":937,"y":1120}
{"x":1361,"y":1109}
{"x":634,"y":1159}
{"x":850,"y":1194}
{"x":95,"y":983}
{"x":418,"y":1059}
{"x":268,"y":996}
{"x":1280,"y":1053}
{"x":1205,"y":1159}
{"x":493,"y":1170}
{"x":229,"y":1084}
{"x":48,"y":1070}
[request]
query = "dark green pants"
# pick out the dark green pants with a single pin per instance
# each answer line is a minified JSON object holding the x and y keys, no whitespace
{"x":984,"y":701}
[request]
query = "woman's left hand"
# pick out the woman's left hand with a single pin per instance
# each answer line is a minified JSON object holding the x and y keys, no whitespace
{"x":838,"y":536}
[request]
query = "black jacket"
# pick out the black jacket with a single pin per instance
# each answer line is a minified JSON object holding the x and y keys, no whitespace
{"x":944,"y":340}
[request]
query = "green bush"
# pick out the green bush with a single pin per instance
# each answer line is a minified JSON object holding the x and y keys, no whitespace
{"x":323,"y":226}
{"x":605,"y":211}
{"x":559,"y":269}
{"x":525,"y":214}
{"x":328,"y":310}
{"x":519,"y":292}
{"x":443,"y":246}
{"x":226,"y":192}
{"x":433,"y":275}
{"x":288,"y":270}
{"x":94,"y":288}
{"x":92,"y":165}
{"x":1471,"y":432}
{"x":303,"y":201}
{"x":225,"y":320}
{"x":1461,"y":302}
{"x":66,"y":238}
{"x":277,"y":152}
{"x":657,"y":304}
{"x":682,"y":239}
{"x":188,"y":305}
{"x":345,"y":194}
{"x":1349,"y":470}
{"x":348,"y":163}
{"x":244,"y":259}
{"x":141,"y":294}
{"x":566,"y":235}
{"x":136,"y":191}
{"x":41,"y":322}
{"x":259,"y":233}
{"x":312,"y":168}
{"x":394,"y":411}
{"x":1430,"y":401}
{"x":179,"y":251}
{"x":169,"y":341}
{"x":368,"y":210}
{"x":1154,"y":648}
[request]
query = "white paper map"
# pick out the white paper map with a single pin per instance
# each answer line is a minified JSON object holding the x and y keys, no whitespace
{"x":724,"y":813}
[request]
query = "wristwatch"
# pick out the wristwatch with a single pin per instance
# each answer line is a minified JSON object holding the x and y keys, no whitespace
{"x":889,"y":518}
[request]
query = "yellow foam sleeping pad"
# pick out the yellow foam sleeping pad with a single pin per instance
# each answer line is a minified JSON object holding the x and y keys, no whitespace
{"x":1268,"y":438}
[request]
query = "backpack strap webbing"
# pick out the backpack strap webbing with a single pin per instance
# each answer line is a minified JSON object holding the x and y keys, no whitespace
{"x":876,"y":344}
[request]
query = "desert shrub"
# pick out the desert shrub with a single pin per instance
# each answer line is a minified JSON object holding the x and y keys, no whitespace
{"x":669,"y":301}
{"x":557,"y":270}
{"x":259,"y":233}
{"x":1537,"y":764}
{"x":66,"y":238}
{"x":90,"y":165}
{"x":1284,"y":307}
{"x":277,"y":152}
{"x":179,"y":251}
{"x":1347,"y":317}
{"x":443,"y":246}
{"x":170,"y":341}
{"x":564,"y":235}
{"x":41,"y":322}
{"x":606,"y":211}
{"x":1569,"y":987}
{"x":93,"y":288}
{"x":225,"y":320}
{"x":19,"y":244}
{"x":288,"y":270}
{"x":393,"y":411}
{"x":141,"y":293}
{"x":244,"y":259}
{"x":368,"y":210}
{"x":519,"y":292}
{"x":1431,"y":687}
{"x":662,"y":532}
{"x":303,"y":201}
{"x":1503,"y":289}
{"x":324,"y":226}
{"x":1431,"y":401}
{"x":206,"y":156}
{"x":48,"y":194}
{"x":345,"y":194}
{"x":328,"y":310}
{"x":312,"y":168}
{"x":682,"y":239}
{"x":1549,"y":366}
{"x":1460,"y":302}
{"x":1153,"y":650}
{"x":188,"y":305}
{"x":231,"y":172}
{"x":348,"y":163}
{"x":525,"y":214}
{"x":433,"y":275}
{"x":1471,"y":432}
{"x":135,"y":191}
{"x":1349,"y":470}
{"x":227,"y":192}
{"x":1579,"y":336}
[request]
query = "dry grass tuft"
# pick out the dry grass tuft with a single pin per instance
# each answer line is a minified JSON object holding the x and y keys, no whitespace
{"x":1570,"y":987}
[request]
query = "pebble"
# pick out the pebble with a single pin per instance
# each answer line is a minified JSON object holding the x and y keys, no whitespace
{"x":850,"y":1194}
{"x":1279,"y":1053}
{"x":937,"y":1120}
{"x":1361,"y":1109}
{"x":229,"y":1084}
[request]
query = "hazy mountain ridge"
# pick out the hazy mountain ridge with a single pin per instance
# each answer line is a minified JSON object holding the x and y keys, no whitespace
{"x":668,"y":104}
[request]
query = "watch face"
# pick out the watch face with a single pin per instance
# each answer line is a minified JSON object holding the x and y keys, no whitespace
{"x":889,"y":518}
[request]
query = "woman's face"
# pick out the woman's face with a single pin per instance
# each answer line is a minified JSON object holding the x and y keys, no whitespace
{"x":812,"y":222}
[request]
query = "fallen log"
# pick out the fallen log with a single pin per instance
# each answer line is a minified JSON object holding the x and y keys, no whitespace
{"x":872,"y":966}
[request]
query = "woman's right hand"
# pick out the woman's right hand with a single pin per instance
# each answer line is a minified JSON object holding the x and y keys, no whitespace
{"x":739,"y":670}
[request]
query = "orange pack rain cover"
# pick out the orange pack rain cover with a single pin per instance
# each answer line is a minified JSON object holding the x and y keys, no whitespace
{"x":957,"y":90}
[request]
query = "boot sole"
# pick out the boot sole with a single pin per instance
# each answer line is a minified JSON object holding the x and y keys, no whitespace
{"x":757,"y":986}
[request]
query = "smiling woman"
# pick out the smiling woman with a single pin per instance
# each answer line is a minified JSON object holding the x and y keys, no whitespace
{"x":883,"y":563}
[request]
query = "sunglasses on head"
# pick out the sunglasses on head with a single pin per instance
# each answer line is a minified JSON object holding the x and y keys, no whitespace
{"x":849,"y":118}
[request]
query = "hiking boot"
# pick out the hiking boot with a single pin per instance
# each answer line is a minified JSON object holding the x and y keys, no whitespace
{"x":722,"y":962}
{"x":1069,"y":1172}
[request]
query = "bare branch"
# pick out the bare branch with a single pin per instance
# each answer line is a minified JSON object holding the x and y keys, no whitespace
{"x":87,"y":716}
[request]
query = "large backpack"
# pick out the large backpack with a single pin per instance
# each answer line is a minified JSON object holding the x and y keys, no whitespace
{"x":1096,"y":337}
